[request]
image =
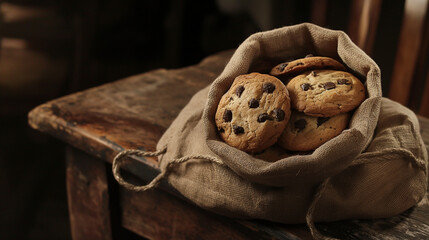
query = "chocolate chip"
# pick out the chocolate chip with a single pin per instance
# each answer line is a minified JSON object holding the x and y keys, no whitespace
{"x":329,"y":85}
{"x":305,"y":86}
{"x":253,"y":103}
{"x":300,"y":124}
{"x":264,"y":117}
{"x":239,"y":90}
{"x":237,"y":129}
{"x":279,"y":114}
{"x":268,"y":87}
{"x":309,"y":55}
{"x":321,"y":120}
{"x":227,"y":115}
{"x":343,"y":81}
{"x":221,"y":130}
{"x":282,"y":67}
{"x":313,"y":73}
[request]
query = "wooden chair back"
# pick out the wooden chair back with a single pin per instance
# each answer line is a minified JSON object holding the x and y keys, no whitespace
{"x":409,"y":81}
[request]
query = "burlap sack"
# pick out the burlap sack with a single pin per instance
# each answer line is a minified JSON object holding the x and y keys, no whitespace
{"x":375,"y":168}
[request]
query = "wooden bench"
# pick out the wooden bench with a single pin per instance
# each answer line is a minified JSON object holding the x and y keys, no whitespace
{"x":133,"y":113}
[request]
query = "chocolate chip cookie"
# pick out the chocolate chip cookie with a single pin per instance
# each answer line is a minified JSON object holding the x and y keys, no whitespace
{"x":301,"y":65}
{"x":253,"y":113}
{"x":325,"y":93}
{"x":304,"y":133}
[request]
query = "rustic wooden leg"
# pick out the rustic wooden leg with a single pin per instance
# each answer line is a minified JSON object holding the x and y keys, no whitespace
{"x":88,"y":196}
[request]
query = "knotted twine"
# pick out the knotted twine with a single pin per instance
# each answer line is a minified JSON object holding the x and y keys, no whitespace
{"x":118,"y":161}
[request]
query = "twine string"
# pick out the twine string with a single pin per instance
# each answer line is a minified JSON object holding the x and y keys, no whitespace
{"x":310,"y":212}
{"x":118,"y":162}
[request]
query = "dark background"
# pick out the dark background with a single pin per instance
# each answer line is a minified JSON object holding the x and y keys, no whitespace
{"x":50,"y":48}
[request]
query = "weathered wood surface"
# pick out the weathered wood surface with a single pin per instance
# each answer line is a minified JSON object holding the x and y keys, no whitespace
{"x":158,"y":215}
{"x":134,"y":112}
{"x":88,"y":197}
{"x":130,"y":113}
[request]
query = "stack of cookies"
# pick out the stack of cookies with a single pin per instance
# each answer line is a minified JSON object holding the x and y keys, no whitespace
{"x":310,"y":105}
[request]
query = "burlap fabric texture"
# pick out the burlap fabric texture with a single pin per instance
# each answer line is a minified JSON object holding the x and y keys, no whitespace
{"x":375,"y":168}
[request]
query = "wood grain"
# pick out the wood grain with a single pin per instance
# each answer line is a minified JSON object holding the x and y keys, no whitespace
{"x":424,"y":106}
{"x":408,"y":49}
{"x":130,"y":113}
{"x":156,"y":215}
{"x":88,"y":197}
{"x":319,"y":11}
{"x":363,"y":23}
